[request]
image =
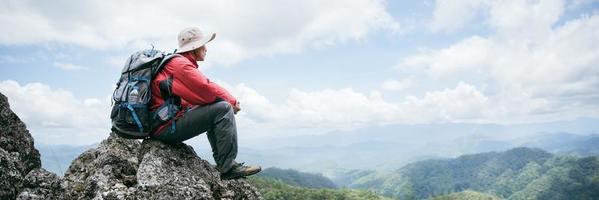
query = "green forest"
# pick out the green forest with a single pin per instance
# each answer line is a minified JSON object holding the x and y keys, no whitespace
{"x":272,"y":189}
{"x":297,"y":178}
{"x":519,"y":173}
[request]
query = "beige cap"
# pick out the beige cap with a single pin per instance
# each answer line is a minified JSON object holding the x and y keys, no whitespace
{"x":193,"y":38}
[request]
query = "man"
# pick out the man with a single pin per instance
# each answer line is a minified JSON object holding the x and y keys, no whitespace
{"x":205,"y":106}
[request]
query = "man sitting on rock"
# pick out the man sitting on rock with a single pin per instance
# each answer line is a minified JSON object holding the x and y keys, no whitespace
{"x":205,"y":106}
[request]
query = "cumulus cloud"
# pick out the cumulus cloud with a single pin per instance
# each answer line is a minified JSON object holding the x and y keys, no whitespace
{"x":244,"y":29}
{"x":529,"y":60}
{"x":56,"y":115}
{"x":324,"y":110}
{"x":531,"y":18}
{"x":458,"y":104}
{"x":469,"y":54}
{"x":449,"y":16}
{"x":334,"y":109}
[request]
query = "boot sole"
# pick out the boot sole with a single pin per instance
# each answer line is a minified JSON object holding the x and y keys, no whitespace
{"x":238,"y":175}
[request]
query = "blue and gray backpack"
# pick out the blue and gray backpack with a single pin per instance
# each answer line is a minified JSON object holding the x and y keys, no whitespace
{"x":131,"y":116}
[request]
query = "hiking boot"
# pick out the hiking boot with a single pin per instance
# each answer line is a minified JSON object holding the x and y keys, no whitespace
{"x":239,"y":170}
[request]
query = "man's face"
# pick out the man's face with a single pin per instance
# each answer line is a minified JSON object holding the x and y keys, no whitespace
{"x":201,"y":53}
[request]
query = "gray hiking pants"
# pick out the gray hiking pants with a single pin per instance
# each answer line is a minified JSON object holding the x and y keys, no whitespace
{"x":218,"y":121}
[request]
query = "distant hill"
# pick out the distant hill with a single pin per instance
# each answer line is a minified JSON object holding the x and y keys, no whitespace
{"x":297,"y":178}
{"x":388,"y":147}
{"x":520,"y":173}
{"x":272,"y":189}
{"x":57,"y":158}
{"x":566,"y":143}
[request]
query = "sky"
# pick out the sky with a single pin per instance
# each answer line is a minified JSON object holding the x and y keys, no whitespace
{"x":313,"y":66}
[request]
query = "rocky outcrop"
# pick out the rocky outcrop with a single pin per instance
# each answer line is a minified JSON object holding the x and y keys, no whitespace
{"x":20,"y":162}
{"x":125,"y":169}
{"x":117,"y":169}
{"x":11,"y":178}
{"x":41,"y":184}
{"x":15,"y":138}
{"x":107,"y":171}
{"x":166,"y":168}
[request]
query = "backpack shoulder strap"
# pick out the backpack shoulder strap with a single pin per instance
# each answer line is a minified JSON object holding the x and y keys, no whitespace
{"x":167,"y":57}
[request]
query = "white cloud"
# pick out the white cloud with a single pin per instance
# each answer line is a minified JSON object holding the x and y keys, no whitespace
{"x":244,"y":29}
{"x":450,"y":16}
{"x":327,"y":110}
{"x":469,"y":54}
{"x":462,"y":103}
{"x":534,"y":69}
{"x":55,"y":115}
{"x":395,"y":85}
{"x":69,"y":66}
{"x":322,"y":110}
{"x":532,"y":18}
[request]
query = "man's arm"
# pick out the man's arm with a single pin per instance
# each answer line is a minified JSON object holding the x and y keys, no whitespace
{"x":191,"y":85}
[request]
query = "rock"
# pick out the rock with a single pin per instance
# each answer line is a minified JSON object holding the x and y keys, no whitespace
{"x":117,"y":169}
{"x":15,"y":138}
{"x":11,"y":178}
{"x":125,"y":169}
{"x":105,"y":172}
{"x":41,"y":184}
{"x":18,"y":156}
{"x":166,"y":168}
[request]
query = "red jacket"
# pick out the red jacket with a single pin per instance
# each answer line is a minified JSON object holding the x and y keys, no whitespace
{"x":189,"y":84}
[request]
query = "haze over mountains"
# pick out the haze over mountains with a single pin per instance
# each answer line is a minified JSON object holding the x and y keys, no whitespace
{"x":390,"y":147}
{"x":439,"y":161}
{"x":387,"y":147}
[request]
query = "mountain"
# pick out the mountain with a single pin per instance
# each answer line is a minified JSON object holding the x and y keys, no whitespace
{"x":116,"y":169}
{"x":566,"y":143}
{"x":334,"y":161}
{"x":297,"y":178}
{"x":274,"y":190}
{"x":519,"y":173}
{"x":388,"y":147}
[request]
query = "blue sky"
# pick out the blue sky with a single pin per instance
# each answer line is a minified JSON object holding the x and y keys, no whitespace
{"x":312,"y":66}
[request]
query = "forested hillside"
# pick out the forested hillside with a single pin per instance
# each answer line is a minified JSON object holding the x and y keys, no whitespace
{"x":272,"y":189}
{"x":297,"y":178}
{"x":520,"y":173}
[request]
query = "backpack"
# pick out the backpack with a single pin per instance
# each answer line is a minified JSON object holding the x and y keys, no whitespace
{"x":130,"y":115}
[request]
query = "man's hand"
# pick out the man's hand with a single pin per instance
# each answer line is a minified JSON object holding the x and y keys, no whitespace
{"x":236,"y":107}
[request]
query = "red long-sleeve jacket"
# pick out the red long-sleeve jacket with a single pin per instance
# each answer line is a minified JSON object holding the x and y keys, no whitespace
{"x":189,"y":84}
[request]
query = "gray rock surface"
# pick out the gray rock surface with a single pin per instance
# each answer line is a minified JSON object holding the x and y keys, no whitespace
{"x":18,"y":156}
{"x":41,"y":184}
{"x":166,"y":168}
{"x":104,"y":172}
{"x":11,"y":179}
{"x":125,"y":169}
{"x":117,"y":169}
{"x":15,"y":138}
